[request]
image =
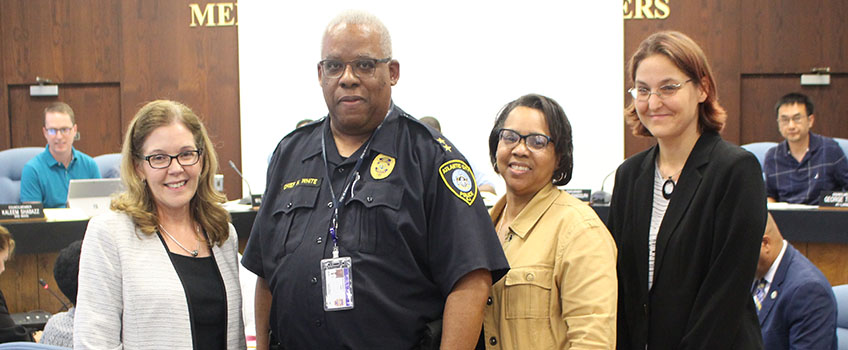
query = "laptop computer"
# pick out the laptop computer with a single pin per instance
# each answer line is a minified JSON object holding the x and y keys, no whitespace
{"x":92,"y":196}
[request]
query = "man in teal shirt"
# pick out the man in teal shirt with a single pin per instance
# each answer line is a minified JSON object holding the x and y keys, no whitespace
{"x":45,"y":178}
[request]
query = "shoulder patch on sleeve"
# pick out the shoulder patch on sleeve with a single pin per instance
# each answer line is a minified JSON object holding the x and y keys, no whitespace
{"x":459,"y":178}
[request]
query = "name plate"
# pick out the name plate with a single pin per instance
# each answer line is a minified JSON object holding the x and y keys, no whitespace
{"x":833,"y":199}
{"x":21,"y":211}
{"x":581,"y":194}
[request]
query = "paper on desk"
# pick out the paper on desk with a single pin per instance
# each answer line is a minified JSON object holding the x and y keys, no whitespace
{"x":64,"y":214}
{"x":791,"y":206}
{"x":234,"y":206}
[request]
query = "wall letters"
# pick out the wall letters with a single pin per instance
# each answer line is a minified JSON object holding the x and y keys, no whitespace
{"x":214,"y":14}
{"x":646,"y":9}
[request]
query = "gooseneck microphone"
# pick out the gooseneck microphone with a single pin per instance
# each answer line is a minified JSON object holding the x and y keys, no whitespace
{"x":602,"y":197}
{"x":249,"y":191}
{"x":44,"y":285}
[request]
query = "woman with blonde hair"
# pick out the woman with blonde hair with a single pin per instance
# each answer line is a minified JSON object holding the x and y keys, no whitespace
{"x":160,"y":271}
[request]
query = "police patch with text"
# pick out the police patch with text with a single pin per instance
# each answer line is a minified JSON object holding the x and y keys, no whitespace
{"x":459,"y":178}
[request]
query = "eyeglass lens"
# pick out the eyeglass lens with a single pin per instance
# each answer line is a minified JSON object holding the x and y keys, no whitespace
{"x":795,"y":119}
{"x":533,"y":141}
{"x":53,"y":131}
{"x":159,"y":161}
{"x":361,"y":68}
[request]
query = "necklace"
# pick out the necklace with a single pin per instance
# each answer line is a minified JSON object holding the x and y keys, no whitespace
{"x":669,"y":184}
{"x":192,"y":252}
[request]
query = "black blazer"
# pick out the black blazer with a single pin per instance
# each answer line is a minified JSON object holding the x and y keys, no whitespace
{"x":707,"y":250}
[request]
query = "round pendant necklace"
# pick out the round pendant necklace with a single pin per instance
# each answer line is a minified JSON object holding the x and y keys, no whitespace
{"x":668,"y":188}
{"x":192,"y":252}
{"x":669,"y":184}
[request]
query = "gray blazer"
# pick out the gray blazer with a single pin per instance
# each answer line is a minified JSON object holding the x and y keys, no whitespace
{"x":130,"y":296}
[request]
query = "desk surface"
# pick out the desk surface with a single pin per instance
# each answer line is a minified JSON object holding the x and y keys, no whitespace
{"x":813,"y":226}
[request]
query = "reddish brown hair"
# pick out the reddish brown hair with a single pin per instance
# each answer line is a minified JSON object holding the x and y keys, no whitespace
{"x":689,"y":58}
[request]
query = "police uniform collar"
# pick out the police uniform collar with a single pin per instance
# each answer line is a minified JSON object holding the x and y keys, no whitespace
{"x":383,"y":143}
{"x":313,"y":139}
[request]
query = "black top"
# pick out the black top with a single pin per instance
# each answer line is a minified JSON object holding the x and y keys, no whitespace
{"x":413,"y":227}
{"x":206,"y":297}
{"x":9,"y":331}
{"x":706,"y":252}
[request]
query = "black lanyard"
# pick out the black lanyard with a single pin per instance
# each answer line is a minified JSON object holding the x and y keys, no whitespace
{"x":353,"y":177}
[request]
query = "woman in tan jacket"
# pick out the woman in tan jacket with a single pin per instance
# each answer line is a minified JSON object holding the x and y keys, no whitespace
{"x":560,"y":292}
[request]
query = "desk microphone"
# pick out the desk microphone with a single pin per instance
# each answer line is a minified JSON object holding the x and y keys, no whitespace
{"x":248,"y":199}
{"x":602,"y":197}
{"x":44,"y":285}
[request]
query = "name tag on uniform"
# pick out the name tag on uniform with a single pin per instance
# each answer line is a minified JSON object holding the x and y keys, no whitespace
{"x":337,"y":283}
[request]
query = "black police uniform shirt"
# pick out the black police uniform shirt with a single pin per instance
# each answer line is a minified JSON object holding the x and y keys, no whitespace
{"x":413,"y":225}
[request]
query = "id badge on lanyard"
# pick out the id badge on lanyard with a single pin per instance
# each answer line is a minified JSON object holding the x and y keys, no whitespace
{"x":337,"y":272}
{"x":337,"y":283}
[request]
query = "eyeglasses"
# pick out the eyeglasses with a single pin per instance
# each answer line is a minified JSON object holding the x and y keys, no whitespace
{"x":642,"y":94}
{"x":162,"y":161}
{"x":535,"y":142}
{"x":363,"y":67}
{"x":53,"y":131}
{"x":784,"y":120}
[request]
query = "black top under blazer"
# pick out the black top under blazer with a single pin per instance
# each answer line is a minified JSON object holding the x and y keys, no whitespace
{"x":706,"y":255}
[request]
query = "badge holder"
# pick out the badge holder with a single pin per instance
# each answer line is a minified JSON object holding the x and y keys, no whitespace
{"x":337,"y":282}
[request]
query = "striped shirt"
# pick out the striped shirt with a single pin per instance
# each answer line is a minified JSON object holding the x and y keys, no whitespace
{"x":823,"y":168}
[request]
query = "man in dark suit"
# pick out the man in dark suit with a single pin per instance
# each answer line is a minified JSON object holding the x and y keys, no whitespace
{"x":797,"y":309}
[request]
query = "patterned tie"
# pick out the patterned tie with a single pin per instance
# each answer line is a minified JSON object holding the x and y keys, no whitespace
{"x":760,"y":293}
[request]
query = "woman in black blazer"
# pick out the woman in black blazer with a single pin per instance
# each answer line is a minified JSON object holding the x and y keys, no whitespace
{"x":687,"y":214}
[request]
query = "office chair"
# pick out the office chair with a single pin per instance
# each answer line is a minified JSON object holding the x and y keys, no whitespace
{"x":109,"y":164}
{"x":12,"y":163}
{"x":759,"y":149}
{"x":843,"y":143}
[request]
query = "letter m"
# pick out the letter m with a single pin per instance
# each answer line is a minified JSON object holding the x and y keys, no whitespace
{"x":198,"y":16}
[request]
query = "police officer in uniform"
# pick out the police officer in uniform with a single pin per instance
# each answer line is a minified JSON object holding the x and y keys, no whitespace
{"x":372,"y":226}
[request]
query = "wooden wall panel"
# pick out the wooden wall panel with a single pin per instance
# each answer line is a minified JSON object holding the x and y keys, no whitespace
{"x":5,"y":132}
{"x":46,"y":301}
{"x":783,"y":36}
{"x":715,"y":27}
{"x":165,"y":58}
{"x":96,"y":109}
{"x":761,"y":91}
{"x":20,"y":283}
{"x":831,"y":259}
{"x":67,"y":41}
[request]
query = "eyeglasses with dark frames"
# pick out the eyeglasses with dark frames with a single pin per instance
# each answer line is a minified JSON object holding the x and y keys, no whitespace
{"x":642,"y":93}
{"x":162,"y":161}
{"x":54,"y":131}
{"x":535,"y":142}
{"x":362,"y":67}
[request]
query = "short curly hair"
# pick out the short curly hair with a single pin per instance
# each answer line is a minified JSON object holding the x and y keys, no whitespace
{"x":66,"y":270}
{"x":558,"y":125}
